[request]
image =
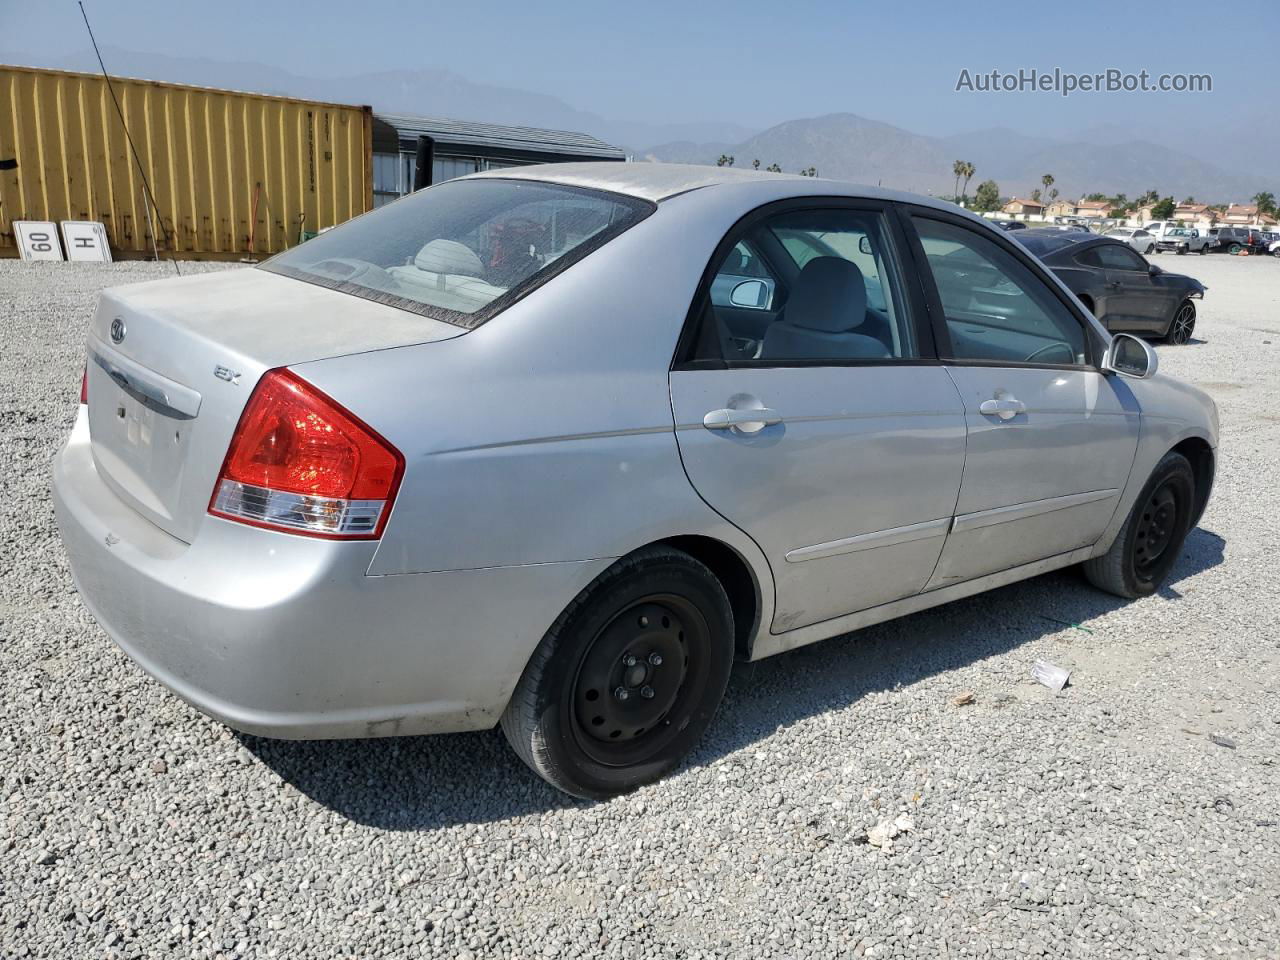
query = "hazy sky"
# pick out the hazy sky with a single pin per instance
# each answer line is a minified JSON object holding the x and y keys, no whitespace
{"x":754,"y":63}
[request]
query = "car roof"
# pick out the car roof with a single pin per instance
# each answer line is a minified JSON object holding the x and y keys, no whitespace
{"x":1043,"y":242}
{"x":661,"y":181}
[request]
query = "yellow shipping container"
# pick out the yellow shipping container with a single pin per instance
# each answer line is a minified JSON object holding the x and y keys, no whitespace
{"x":233,"y":174}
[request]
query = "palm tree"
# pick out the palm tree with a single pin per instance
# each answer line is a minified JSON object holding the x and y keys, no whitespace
{"x":1047,"y":180}
{"x":724,"y":161}
{"x":755,"y":164}
{"x":969,"y":171}
{"x":1266,"y":202}
{"x":958,"y":169}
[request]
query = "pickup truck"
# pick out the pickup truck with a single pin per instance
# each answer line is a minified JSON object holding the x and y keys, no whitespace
{"x":1181,"y":240}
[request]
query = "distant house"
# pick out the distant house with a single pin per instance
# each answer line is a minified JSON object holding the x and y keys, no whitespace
{"x":1061,"y":208}
{"x":1246,"y":215}
{"x":1093,"y":209}
{"x":1023,"y":208}
{"x":1144,"y":214}
{"x":1199,"y":216}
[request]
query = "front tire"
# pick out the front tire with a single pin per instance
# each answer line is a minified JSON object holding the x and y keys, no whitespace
{"x":1149,"y":543}
{"x":627,"y":679}
{"x":1234,"y":249}
{"x":1183,"y":324}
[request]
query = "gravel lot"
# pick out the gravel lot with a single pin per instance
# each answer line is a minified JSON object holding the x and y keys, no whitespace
{"x":1101,"y":822}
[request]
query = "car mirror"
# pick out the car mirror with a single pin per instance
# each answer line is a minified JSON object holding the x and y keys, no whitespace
{"x":1130,"y":356}
{"x":1154,"y":270}
{"x":749,"y":293}
{"x":864,"y":244}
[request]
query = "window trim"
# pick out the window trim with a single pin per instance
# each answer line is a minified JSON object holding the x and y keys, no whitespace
{"x":1094,"y":349}
{"x":913,"y":305}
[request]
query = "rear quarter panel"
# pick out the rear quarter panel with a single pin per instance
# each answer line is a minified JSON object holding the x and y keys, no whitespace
{"x":546,"y":435}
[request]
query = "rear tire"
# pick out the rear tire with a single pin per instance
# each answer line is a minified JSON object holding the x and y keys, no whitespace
{"x":1234,"y":249}
{"x":1149,"y":543}
{"x":1183,"y":324}
{"x":627,"y":679}
{"x":1204,"y":250}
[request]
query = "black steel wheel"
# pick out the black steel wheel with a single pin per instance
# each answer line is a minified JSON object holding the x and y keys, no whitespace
{"x":637,"y":676}
{"x":1183,"y":324}
{"x":1150,"y":541}
{"x":627,"y":679}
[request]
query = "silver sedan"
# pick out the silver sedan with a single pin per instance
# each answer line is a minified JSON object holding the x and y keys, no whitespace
{"x":551,"y":447}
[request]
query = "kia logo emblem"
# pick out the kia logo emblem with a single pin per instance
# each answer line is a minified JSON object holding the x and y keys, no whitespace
{"x":117,"y":330}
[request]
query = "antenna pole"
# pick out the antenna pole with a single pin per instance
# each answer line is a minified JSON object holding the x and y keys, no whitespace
{"x":149,"y":199}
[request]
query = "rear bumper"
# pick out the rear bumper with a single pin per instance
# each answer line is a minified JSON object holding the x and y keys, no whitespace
{"x":285,"y":636}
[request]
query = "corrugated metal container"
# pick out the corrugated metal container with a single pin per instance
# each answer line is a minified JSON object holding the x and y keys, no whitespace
{"x":233,"y":173}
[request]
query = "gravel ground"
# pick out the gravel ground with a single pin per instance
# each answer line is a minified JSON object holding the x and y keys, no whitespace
{"x":1101,"y":822}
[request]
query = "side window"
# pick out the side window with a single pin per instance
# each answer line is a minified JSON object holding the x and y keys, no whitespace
{"x":1089,"y":258}
{"x":808,"y":285}
{"x":1116,"y":256}
{"x":995,"y":307}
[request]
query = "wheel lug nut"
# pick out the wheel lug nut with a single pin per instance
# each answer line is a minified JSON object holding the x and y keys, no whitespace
{"x":655,"y":659}
{"x":628,"y":660}
{"x":646,"y":692}
{"x":622,"y":693}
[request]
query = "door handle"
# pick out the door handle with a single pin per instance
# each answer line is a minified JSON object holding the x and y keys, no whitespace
{"x":1006,"y":408}
{"x":744,"y":419}
{"x":1113,"y":284}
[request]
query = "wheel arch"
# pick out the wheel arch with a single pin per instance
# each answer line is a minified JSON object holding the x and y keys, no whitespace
{"x":736,"y":575}
{"x":1200,"y":455}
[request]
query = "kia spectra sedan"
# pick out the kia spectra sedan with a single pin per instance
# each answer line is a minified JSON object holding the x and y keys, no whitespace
{"x":550,"y":447}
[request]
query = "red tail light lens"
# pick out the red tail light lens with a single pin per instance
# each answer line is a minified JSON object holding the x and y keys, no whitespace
{"x":84,"y":386}
{"x":300,"y":462}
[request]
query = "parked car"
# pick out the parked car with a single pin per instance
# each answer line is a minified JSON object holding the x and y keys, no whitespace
{"x":1118,"y":286}
{"x":1257,"y":240}
{"x":1181,"y":240}
{"x":1234,"y":240}
{"x":409,"y":478}
{"x":1141,"y":241}
{"x":1274,"y":248}
{"x":1010,"y":224}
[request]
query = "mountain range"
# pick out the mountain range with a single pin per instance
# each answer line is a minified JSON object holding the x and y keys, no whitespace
{"x":849,"y":147}
{"x":1106,"y":159}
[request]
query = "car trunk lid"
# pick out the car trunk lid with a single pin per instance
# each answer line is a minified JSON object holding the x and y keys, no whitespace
{"x":173,"y":362}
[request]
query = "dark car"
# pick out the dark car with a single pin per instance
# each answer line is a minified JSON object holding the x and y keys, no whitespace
{"x":1122,"y":289}
{"x":1235,"y":239}
{"x":1010,"y":224}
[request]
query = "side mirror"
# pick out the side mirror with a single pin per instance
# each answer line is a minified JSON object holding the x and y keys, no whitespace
{"x":1154,"y":270}
{"x":864,"y":244}
{"x":750,"y":293}
{"x":1130,"y":356}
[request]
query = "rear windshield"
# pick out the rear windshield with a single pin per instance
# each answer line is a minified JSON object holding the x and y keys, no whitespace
{"x":463,"y":250}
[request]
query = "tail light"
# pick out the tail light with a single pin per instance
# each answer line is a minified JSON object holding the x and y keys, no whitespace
{"x":84,"y":386}
{"x":300,"y":462}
